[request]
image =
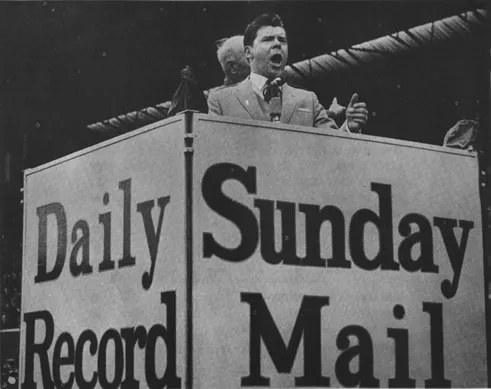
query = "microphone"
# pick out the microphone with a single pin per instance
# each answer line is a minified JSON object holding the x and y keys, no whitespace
{"x":275,"y":108}
{"x":275,"y":102}
{"x":277,"y":82}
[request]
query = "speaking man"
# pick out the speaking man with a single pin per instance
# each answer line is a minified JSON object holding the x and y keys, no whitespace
{"x":264,"y":96}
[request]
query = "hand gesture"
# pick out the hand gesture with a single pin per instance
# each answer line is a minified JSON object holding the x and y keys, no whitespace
{"x":356,"y":114}
{"x":335,"y":110}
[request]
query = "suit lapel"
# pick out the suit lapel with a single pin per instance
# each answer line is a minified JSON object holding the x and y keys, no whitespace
{"x":289,"y":104}
{"x":248,"y":99}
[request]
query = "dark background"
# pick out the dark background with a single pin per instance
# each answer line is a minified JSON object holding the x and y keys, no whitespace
{"x":69,"y":64}
{"x":65,"y":65}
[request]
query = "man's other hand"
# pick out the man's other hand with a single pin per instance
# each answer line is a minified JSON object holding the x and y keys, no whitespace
{"x":336,"y":110}
{"x":356,"y":114}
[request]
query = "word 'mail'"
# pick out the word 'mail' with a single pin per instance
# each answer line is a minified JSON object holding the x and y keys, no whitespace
{"x":309,"y":327}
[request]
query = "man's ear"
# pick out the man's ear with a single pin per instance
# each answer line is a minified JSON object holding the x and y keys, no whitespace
{"x":230,"y":66}
{"x":248,"y":53}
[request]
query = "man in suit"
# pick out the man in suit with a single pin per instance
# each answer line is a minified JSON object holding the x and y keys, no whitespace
{"x":266,"y":49}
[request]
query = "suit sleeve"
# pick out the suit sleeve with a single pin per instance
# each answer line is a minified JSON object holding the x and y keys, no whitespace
{"x":214,"y":107}
{"x":322,"y":120}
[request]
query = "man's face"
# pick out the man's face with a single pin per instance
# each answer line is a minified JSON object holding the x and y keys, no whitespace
{"x":269,"y":52}
{"x":238,"y":68}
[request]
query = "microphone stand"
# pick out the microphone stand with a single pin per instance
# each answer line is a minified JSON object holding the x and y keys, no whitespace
{"x":275,"y":102}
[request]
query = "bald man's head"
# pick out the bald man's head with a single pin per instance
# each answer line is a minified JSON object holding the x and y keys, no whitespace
{"x":232,"y":59}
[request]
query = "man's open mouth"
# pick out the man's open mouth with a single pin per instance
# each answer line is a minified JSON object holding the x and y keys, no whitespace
{"x":276,"y":59}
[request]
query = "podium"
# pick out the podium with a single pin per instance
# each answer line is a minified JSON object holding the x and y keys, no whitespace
{"x":213,"y":252}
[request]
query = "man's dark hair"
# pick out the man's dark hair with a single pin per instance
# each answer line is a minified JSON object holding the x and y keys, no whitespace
{"x":268,"y":19}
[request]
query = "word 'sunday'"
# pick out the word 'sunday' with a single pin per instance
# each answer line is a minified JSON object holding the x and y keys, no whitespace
{"x":253,"y":231}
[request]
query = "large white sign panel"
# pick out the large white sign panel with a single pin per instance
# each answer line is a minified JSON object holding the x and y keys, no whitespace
{"x":103,"y":294}
{"x":331,"y":260}
{"x":318,"y":259}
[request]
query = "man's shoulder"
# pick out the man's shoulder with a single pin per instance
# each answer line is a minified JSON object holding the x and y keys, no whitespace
{"x":301,"y":94}
{"x":298,"y":89}
{"x":223,"y":90}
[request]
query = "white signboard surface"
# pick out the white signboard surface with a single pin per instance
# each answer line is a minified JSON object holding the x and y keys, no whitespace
{"x":103,"y":279}
{"x":324,"y":260}
{"x":317,"y":260}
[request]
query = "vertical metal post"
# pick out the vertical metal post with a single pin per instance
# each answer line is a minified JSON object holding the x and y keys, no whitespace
{"x":188,"y":190}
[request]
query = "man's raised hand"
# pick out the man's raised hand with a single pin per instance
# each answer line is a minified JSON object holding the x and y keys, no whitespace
{"x":335,"y":110}
{"x":356,"y":114}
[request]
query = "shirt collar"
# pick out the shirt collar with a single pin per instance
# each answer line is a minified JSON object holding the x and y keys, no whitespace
{"x":258,"y":83}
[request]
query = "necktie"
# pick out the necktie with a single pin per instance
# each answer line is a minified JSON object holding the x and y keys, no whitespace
{"x":272,"y":96}
{"x":271,"y":91}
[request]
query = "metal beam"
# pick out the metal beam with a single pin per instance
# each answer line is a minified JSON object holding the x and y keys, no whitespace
{"x":414,"y":39}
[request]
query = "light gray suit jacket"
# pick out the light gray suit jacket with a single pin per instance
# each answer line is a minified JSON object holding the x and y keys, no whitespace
{"x":299,"y":106}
